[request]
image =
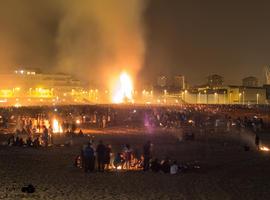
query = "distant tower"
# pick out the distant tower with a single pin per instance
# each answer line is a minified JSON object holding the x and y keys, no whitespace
{"x":179,"y":82}
{"x":162,"y":81}
{"x":215,"y":80}
{"x":250,"y":81}
{"x":267,"y":74}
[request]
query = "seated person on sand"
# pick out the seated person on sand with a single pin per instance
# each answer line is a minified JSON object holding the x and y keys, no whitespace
{"x":165,"y":166}
{"x":127,"y":151}
{"x":29,"y":142}
{"x":78,"y":161}
{"x":11,"y":140}
{"x":107,"y":159}
{"x":174,"y":168}
{"x":36,"y":143}
{"x":21,"y":142}
{"x":118,"y":161}
{"x":155,"y":165}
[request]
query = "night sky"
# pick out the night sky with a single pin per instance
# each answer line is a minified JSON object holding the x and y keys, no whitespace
{"x":193,"y":38}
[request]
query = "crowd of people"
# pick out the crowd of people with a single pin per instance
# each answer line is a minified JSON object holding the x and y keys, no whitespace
{"x":32,"y":120}
{"x":25,"y":139}
{"x":100,"y":159}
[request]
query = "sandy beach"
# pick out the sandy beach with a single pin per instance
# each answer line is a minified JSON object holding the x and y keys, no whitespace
{"x":226,"y":171}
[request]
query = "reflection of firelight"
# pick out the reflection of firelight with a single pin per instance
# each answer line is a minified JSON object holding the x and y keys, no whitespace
{"x":124,"y":89}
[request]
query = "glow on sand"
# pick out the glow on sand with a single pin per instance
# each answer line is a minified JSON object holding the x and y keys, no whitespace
{"x":57,"y":128}
{"x":123,"y":90}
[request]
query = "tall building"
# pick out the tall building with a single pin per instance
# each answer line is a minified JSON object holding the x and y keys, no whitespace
{"x":162,"y":81}
{"x":267,"y":74}
{"x":250,"y":81}
{"x":179,"y":82}
{"x":215,"y":80}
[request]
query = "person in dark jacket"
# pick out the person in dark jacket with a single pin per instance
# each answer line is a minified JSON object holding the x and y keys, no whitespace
{"x":257,"y":141}
{"x":89,"y":158}
{"x":107,"y":160}
{"x":165,"y":166}
{"x":155,"y":165}
{"x":101,"y":152}
{"x":146,"y":155}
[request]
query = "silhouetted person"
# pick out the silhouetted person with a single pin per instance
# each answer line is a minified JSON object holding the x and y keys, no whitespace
{"x":17,"y":141}
{"x":165,"y":166}
{"x":174,"y":168}
{"x":146,"y":155}
{"x":107,"y":159}
{"x":45,"y":136}
{"x":101,"y":152}
{"x":257,"y":141}
{"x":29,"y":142}
{"x":155,"y":165}
{"x":80,"y":133}
{"x":89,"y":158}
{"x":21,"y":143}
{"x":118,"y":161}
{"x":127,"y":153}
{"x":36,"y":143}
{"x":11,"y":140}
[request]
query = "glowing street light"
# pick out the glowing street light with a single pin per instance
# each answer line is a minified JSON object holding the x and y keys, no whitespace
{"x":243,"y":97}
{"x":239,"y":100}
{"x":215,"y":97}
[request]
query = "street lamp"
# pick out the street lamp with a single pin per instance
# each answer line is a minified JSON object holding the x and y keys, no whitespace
{"x":239,"y":100}
{"x":243,"y":97}
{"x":185,"y":95}
{"x":230,"y":97}
{"x":216,"y":97}
{"x":199,"y":98}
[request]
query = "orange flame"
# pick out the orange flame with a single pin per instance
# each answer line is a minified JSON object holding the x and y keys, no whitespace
{"x":124,"y":89}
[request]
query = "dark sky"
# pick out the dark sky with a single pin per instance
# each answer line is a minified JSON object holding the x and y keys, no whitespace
{"x":193,"y":38}
{"x":196,"y":38}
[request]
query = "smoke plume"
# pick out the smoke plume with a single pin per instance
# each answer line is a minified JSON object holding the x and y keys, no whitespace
{"x":27,"y":33}
{"x":92,"y":39}
{"x":99,"y":39}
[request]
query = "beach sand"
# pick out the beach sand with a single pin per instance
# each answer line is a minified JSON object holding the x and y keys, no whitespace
{"x":226,"y":171}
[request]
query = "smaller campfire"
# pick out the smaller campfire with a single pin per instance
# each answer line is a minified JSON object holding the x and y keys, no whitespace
{"x":57,"y":128}
{"x":264,"y":148}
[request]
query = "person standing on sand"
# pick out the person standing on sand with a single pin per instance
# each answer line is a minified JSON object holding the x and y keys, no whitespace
{"x":45,"y":136}
{"x":146,"y":155}
{"x":257,"y":141}
{"x":101,"y":151}
{"x":89,"y":159}
{"x":107,"y":160}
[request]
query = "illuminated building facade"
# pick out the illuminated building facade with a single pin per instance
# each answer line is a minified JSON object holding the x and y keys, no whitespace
{"x":250,"y":81}
{"x":24,"y":87}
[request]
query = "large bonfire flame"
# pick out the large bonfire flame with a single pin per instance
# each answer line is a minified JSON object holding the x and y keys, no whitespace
{"x":123,"y":90}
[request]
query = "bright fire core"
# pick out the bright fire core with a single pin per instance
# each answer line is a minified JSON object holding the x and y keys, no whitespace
{"x":124,"y":89}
